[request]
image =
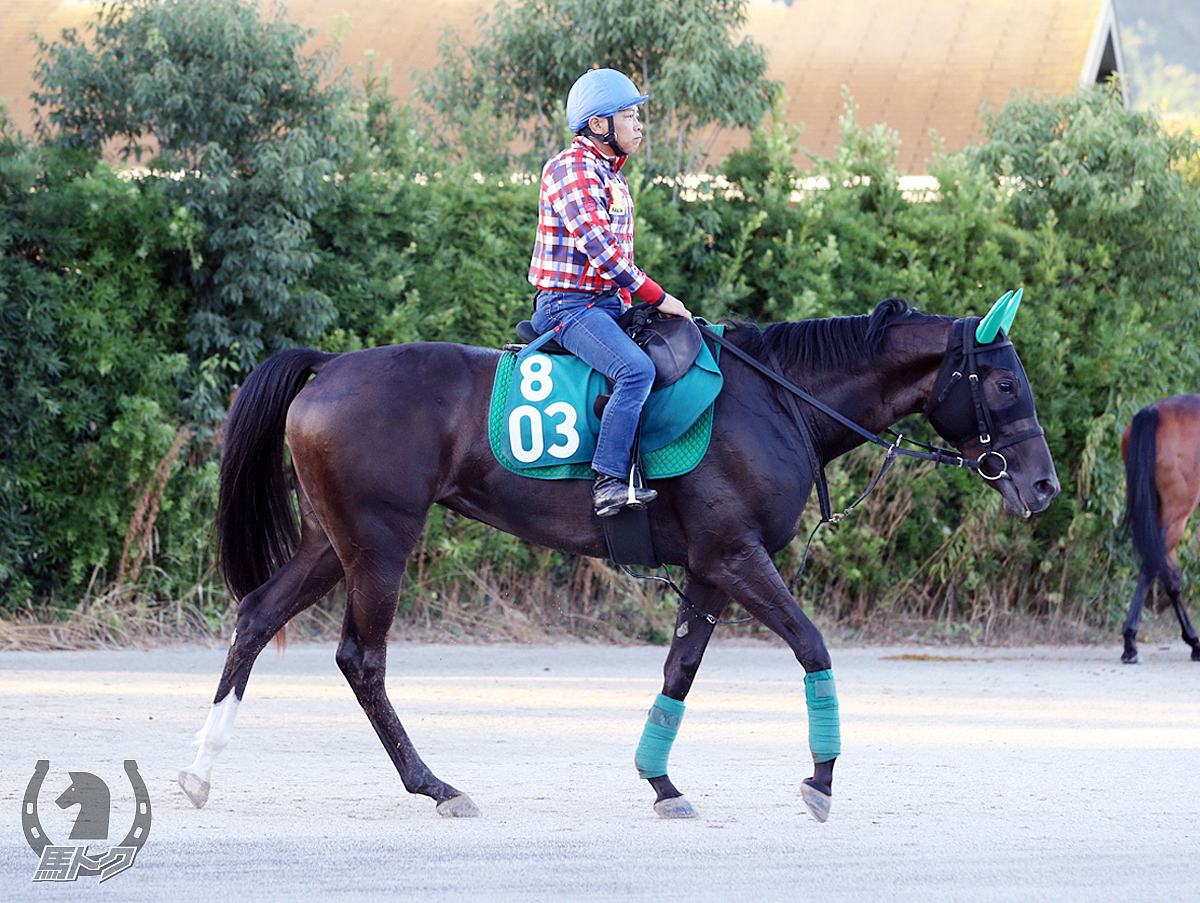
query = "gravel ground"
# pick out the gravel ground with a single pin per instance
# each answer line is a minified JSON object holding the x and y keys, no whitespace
{"x":984,"y":774}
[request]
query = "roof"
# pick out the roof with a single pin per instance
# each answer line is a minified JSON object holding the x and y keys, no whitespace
{"x":916,"y":65}
{"x":921,"y":65}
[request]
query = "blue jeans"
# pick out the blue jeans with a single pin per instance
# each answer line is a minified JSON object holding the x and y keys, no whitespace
{"x":592,"y":334}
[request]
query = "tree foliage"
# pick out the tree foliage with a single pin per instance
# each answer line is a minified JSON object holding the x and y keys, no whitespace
{"x":1159,"y":39}
{"x":1090,"y":208}
{"x":684,"y":53}
{"x":247,"y":133}
{"x":88,"y":409}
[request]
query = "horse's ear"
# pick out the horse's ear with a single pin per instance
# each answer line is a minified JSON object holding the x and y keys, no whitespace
{"x":990,"y":325}
{"x":1010,"y":310}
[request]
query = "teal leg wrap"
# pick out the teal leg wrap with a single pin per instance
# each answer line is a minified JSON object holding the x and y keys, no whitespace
{"x":824,"y":726}
{"x":662,"y":724}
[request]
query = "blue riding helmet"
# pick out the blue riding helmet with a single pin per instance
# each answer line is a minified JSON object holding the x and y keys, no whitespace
{"x":600,"y":92}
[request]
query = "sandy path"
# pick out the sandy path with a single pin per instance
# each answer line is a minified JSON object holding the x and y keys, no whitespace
{"x":996,"y":775}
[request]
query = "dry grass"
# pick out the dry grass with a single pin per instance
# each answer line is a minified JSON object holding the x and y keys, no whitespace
{"x":141,"y":525}
{"x":107,"y":621}
{"x":597,"y":604}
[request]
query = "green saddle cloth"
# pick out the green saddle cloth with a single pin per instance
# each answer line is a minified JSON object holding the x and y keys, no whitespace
{"x":542,"y":424}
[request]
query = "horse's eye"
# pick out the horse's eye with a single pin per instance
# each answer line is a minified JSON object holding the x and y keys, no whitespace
{"x":1007,"y":386}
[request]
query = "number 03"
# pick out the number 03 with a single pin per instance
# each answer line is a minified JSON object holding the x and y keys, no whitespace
{"x":536,"y":385}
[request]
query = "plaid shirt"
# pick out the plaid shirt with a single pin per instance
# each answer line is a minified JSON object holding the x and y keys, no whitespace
{"x":585,"y":226}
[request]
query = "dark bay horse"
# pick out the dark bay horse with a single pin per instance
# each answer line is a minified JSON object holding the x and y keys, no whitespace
{"x":1161,"y":448}
{"x":379,"y":436}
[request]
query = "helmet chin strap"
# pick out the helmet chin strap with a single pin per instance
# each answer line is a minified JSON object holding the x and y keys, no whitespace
{"x":610,"y":137}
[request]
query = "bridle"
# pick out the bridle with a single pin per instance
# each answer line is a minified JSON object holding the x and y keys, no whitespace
{"x":953,"y":400}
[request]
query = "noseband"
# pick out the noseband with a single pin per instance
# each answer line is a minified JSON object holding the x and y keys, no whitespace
{"x":959,"y":402}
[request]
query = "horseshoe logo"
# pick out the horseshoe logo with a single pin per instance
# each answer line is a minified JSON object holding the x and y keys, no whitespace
{"x":141,"y":814}
{"x":31,"y":823}
{"x":29,"y":815}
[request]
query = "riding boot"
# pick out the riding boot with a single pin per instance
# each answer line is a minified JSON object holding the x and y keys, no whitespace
{"x":611,"y":494}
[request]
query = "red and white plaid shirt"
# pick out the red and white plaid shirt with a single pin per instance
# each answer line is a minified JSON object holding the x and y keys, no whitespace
{"x":585,"y":227}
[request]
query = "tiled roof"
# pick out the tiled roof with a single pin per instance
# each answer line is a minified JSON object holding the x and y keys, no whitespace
{"x":404,"y":32}
{"x":916,"y":65}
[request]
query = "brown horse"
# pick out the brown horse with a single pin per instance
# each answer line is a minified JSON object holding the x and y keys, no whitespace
{"x":1161,"y":448}
{"x":379,"y":436}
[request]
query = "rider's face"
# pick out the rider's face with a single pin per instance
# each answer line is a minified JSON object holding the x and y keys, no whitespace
{"x":627,"y":127}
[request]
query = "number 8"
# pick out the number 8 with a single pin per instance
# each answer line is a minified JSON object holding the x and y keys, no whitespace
{"x":536,"y":384}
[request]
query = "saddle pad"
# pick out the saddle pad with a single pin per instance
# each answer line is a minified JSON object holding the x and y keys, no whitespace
{"x":541,"y":422}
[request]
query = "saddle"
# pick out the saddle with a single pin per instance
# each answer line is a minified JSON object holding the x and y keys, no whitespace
{"x":672,"y":343}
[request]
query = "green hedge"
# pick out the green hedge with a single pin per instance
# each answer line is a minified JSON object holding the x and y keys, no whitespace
{"x":1095,"y":210}
{"x":93,"y":379}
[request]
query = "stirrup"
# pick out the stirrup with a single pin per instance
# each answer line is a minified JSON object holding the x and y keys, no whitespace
{"x":611,"y":494}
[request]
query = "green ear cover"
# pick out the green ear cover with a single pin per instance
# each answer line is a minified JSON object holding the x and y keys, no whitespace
{"x":1011,"y":310}
{"x":990,"y":325}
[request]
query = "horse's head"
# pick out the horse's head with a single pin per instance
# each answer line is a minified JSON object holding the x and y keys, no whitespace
{"x":983,"y":405}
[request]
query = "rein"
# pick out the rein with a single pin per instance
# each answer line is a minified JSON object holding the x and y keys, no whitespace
{"x":930,"y":453}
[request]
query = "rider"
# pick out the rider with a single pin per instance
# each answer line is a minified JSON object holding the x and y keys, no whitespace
{"x":584,"y":273}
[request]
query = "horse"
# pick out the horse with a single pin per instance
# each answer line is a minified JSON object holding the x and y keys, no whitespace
{"x":1161,"y":449}
{"x":378,"y":436}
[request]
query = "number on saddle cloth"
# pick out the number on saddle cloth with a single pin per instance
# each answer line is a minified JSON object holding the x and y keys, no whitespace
{"x":543,"y":415}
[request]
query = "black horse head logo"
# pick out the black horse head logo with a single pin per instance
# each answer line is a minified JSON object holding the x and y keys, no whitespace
{"x":91,"y":795}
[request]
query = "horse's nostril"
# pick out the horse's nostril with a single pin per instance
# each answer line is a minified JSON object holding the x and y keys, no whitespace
{"x":1047,"y":489}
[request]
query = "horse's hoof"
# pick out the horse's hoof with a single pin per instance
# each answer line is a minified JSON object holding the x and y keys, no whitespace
{"x":458,"y":807}
{"x":1134,"y":659}
{"x":818,"y":803}
{"x":675,"y":807}
{"x":1196,"y":655}
{"x":195,"y":787}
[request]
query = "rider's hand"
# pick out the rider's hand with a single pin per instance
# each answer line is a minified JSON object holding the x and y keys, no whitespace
{"x":672,"y":306}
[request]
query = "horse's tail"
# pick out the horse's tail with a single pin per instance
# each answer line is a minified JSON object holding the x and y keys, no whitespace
{"x":256,"y":522}
{"x":1142,"y":501}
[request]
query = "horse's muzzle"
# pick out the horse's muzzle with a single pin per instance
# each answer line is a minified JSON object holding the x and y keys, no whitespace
{"x":1026,"y":498}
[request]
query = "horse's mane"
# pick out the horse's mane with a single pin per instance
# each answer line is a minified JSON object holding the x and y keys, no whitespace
{"x":836,"y":343}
